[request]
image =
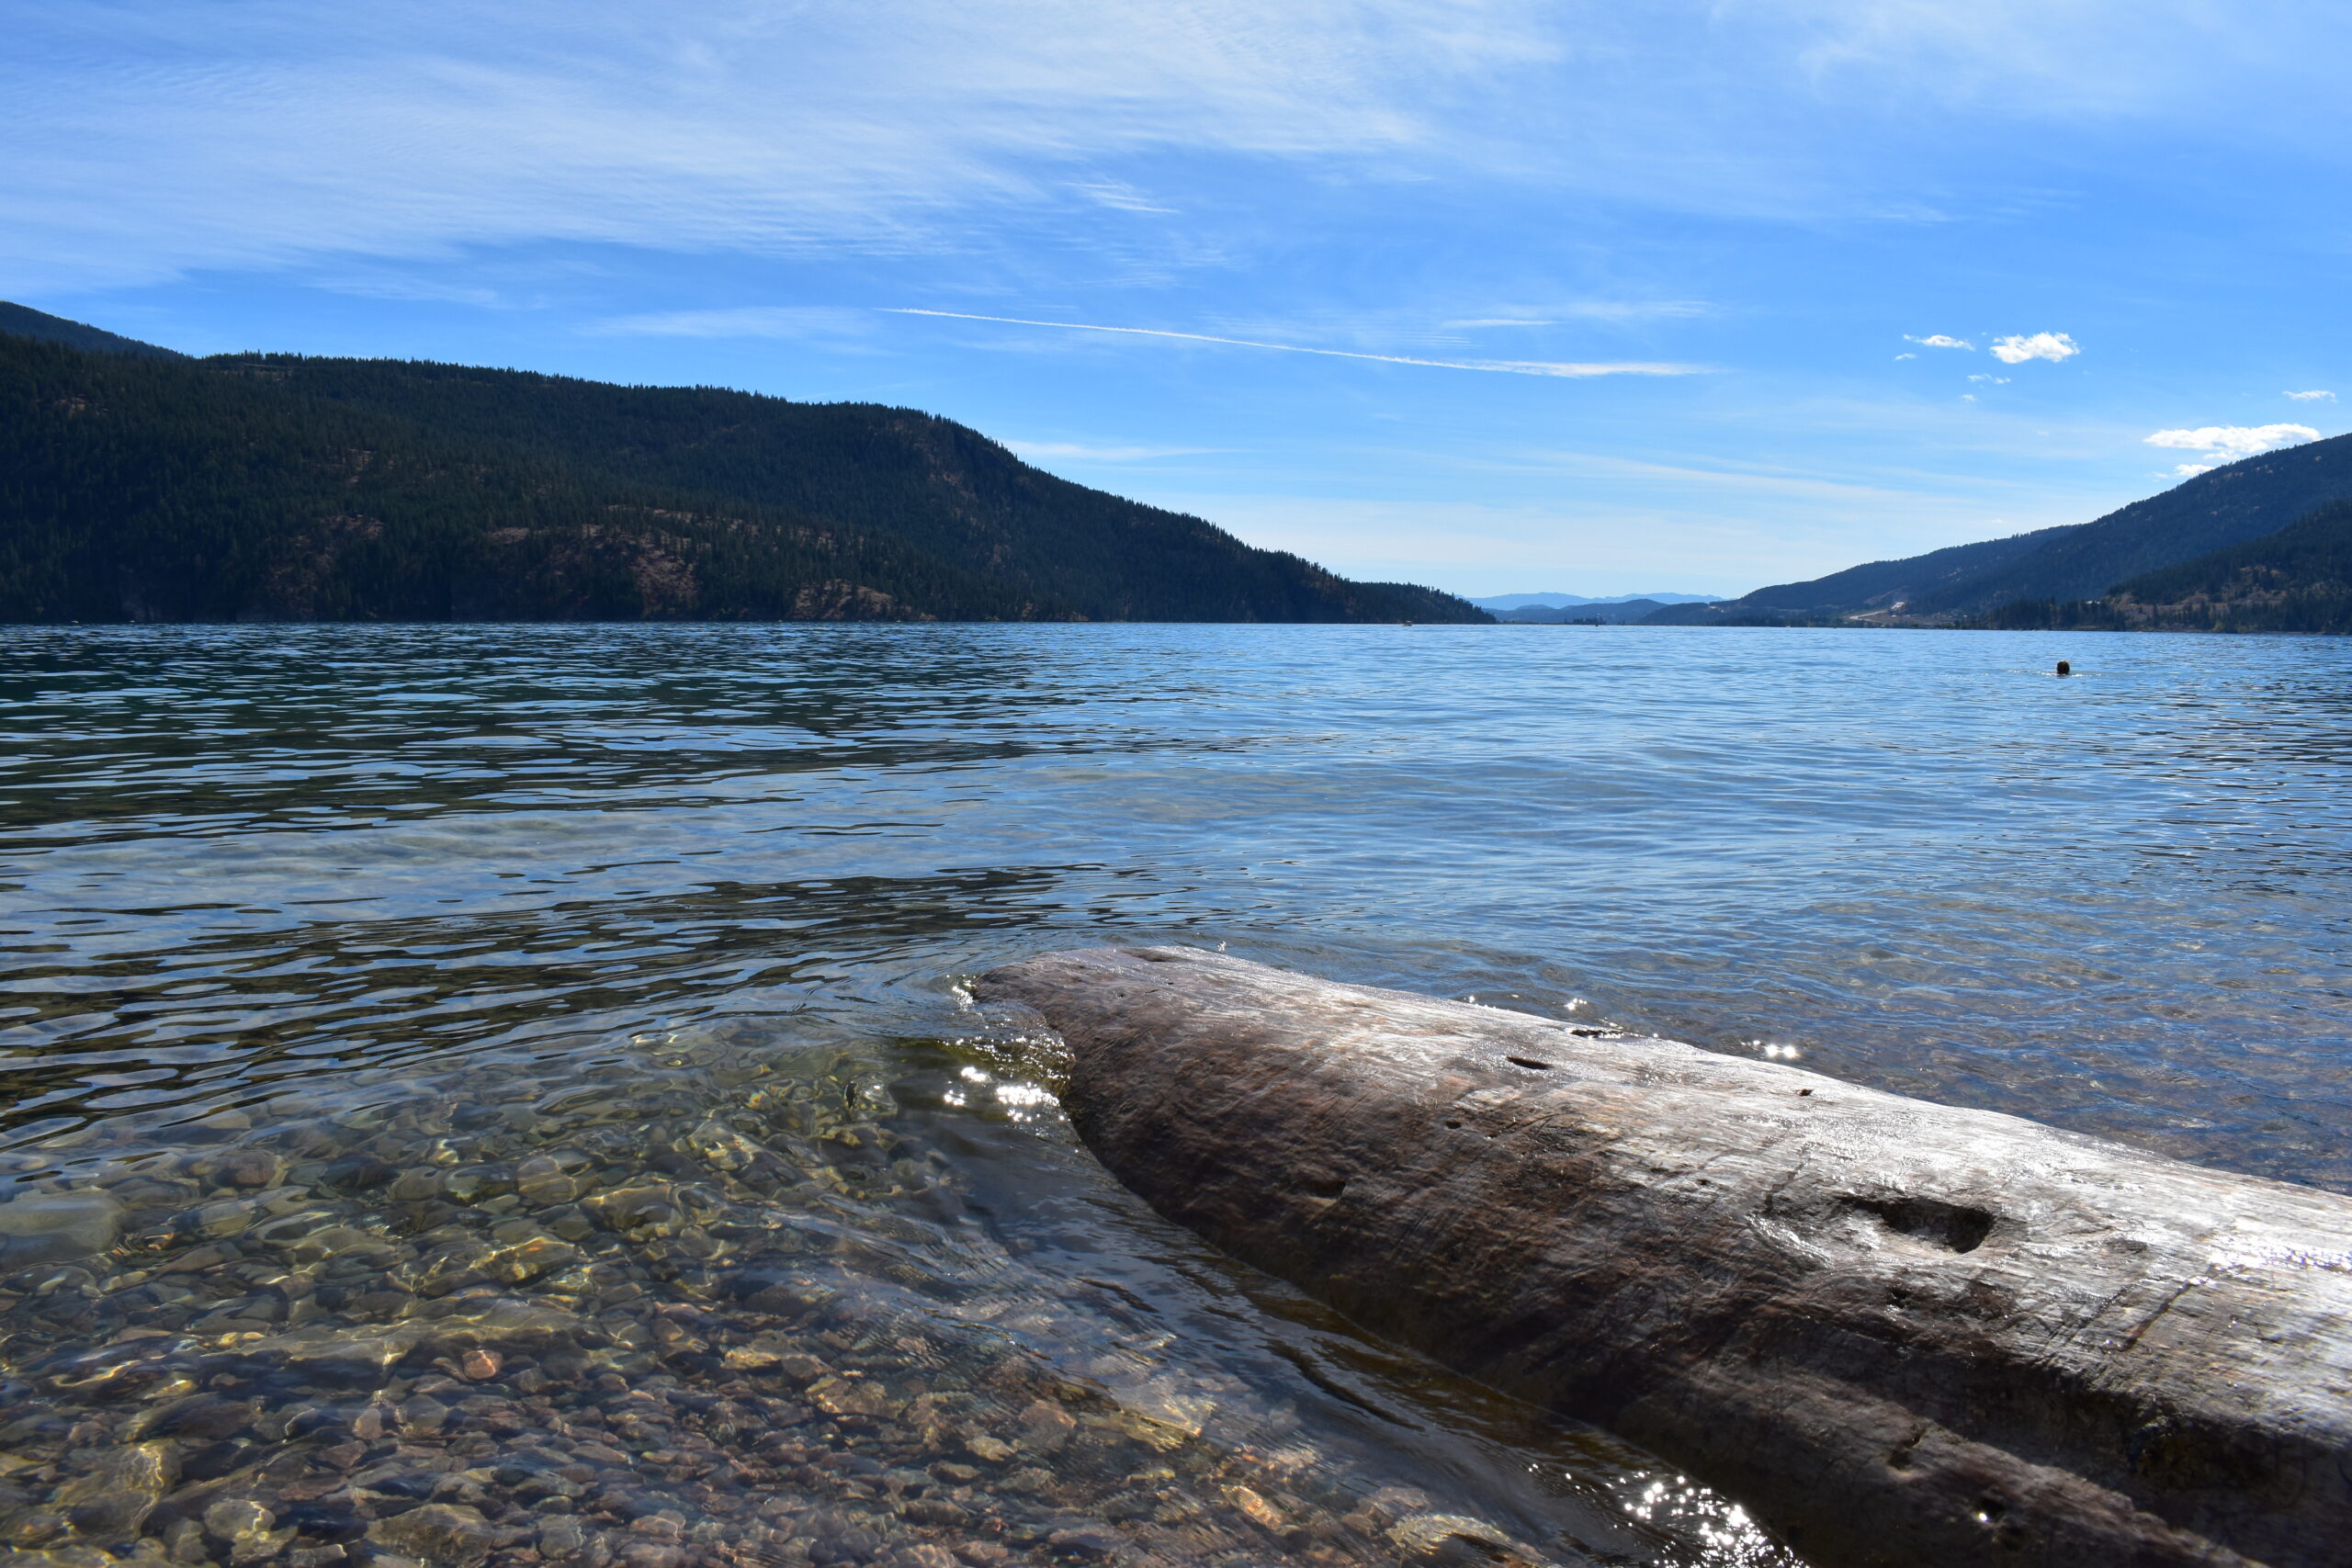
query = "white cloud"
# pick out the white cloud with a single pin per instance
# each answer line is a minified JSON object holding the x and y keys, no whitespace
{"x":1991,"y":380}
{"x":2190,"y":470}
{"x":1084,"y":453}
{"x":144,"y":139}
{"x":2227,"y":442}
{"x":2052,"y":346}
{"x":147,"y":138}
{"x":1938,"y":340}
{"x":2313,"y":396}
{"x":1571,"y":370}
{"x":1903,"y":356}
{"x":1591,"y":310}
{"x":740,"y":322}
{"x":1120,"y":195}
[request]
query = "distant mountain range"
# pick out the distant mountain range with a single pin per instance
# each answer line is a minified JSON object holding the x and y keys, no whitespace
{"x":1614,"y":612}
{"x":1576,"y":609}
{"x":139,"y":484}
{"x":1501,"y":602}
{"x":2204,"y":527}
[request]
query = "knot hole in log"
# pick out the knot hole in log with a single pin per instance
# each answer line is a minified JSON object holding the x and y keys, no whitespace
{"x":1956,"y":1227}
{"x":1530,"y":1063}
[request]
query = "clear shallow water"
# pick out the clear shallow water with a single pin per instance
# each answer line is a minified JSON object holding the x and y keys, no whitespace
{"x":511,"y":1080}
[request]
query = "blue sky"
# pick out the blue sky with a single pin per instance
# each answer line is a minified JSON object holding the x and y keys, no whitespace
{"x":1597,"y":298}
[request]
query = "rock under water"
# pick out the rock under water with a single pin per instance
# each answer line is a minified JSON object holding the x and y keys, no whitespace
{"x":716,"y":1298}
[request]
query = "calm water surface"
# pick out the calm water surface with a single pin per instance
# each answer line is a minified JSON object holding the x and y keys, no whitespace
{"x":501,"y":1096}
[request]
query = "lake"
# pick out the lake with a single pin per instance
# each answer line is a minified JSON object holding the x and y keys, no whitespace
{"x":503,"y":1094}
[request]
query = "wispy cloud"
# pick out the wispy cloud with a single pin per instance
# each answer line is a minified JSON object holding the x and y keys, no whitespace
{"x":2313,"y":396}
{"x":1902,"y":357}
{"x":2190,"y":470}
{"x":1730,"y":531}
{"x":147,"y":138}
{"x":2227,"y":442}
{"x":1119,"y":195}
{"x":739,"y":322}
{"x":143,"y":140}
{"x":2016,"y":349}
{"x":1591,"y":310}
{"x":1086,"y":453}
{"x":1718,"y":475}
{"x":1938,"y":340}
{"x":1991,"y":380}
{"x":1572,"y":369}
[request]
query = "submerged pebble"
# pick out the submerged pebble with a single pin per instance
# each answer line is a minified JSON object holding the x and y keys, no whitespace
{"x":50,"y":1227}
{"x":709,"y":1315}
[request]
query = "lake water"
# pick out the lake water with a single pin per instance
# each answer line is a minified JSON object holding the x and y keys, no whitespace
{"x":502,"y":1094}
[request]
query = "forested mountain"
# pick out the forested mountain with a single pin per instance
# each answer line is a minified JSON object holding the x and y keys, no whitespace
{"x":158,"y":489}
{"x":282,"y":488}
{"x":1882,"y":585}
{"x":2296,"y":579}
{"x":2212,"y":511}
{"x":2243,"y":501}
{"x":23,"y":321}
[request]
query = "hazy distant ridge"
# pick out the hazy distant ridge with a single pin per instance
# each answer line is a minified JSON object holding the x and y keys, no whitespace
{"x":1562,"y":601}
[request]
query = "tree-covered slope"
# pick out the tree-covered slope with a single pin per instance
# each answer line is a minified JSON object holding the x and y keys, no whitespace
{"x":2296,"y":579}
{"x":2310,"y":555}
{"x":2242,"y":500}
{"x":24,"y":322}
{"x":142,"y":487}
{"x":940,"y":486}
{"x":158,"y":489}
{"x":2075,"y":562}
{"x":1883,"y":585}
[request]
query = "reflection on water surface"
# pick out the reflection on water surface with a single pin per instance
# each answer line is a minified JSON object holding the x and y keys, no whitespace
{"x":499,"y":1095}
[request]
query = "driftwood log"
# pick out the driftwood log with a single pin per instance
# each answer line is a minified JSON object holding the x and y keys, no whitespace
{"x":1900,"y":1333}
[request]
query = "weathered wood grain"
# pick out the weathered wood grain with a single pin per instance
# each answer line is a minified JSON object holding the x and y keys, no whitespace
{"x":1902,"y":1333}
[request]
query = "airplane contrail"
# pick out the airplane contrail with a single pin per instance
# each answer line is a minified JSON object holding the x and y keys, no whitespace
{"x":1501,"y":366}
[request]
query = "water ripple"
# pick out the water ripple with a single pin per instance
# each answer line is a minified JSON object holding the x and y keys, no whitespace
{"x":302,"y":878}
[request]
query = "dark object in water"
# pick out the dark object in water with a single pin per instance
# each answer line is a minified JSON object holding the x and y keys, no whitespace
{"x":1902,"y":1333}
{"x":2064,"y":668}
